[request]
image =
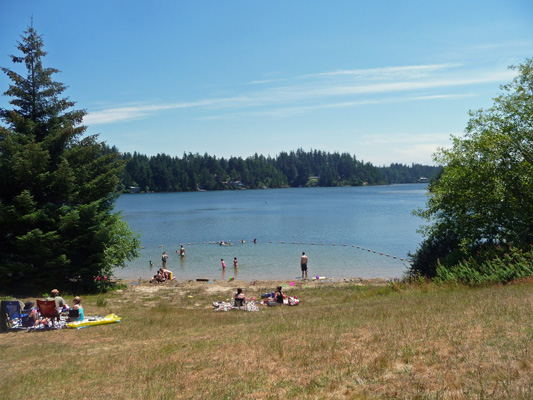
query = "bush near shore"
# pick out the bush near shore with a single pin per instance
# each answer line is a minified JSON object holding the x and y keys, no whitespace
{"x":344,"y":340}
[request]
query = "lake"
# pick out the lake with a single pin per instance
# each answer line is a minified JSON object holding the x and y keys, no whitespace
{"x":336,"y":227}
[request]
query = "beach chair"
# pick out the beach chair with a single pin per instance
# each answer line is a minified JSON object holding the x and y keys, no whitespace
{"x":73,"y":314}
{"x":10,"y":313}
{"x":47,"y":309}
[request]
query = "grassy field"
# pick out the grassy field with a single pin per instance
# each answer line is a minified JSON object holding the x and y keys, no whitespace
{"x":344,"y":341}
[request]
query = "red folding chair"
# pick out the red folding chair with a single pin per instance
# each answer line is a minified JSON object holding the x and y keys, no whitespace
{"x":47,"y":309}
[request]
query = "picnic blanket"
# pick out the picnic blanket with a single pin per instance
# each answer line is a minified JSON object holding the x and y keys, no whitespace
{"x":16,"y":325}
{"x":225,"y":306}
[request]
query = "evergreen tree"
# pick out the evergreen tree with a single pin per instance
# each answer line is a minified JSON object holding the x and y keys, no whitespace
{"x":57,"y":226}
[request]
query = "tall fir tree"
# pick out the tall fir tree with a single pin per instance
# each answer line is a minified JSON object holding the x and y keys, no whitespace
{"x":57,"y":191}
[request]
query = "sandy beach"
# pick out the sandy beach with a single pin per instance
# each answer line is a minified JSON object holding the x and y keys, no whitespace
{"x":253,"y":288}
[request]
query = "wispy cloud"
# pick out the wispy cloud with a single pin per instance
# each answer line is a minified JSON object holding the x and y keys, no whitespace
{"x":388,"y":72}
{"x":335,"y":89}
{"x":260,"y":82}
{"x":287,"y":111}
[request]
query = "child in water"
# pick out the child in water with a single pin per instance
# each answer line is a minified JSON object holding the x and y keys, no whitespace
{"x":223,"y":263}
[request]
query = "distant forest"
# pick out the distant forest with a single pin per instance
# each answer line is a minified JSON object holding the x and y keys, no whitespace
{"x":193,"y":172}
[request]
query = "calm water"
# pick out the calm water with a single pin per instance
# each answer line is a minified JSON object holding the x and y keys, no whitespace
{"x":285,"y":222}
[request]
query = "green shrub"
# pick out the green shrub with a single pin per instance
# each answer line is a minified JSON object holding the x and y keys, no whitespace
{"x":491,"y":265}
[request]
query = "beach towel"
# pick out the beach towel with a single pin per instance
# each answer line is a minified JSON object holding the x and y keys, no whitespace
{"x":225,"y":306}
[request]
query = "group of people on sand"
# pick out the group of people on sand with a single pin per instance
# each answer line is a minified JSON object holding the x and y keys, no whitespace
{"x":162,"y":275}
{"x":31,"y":317}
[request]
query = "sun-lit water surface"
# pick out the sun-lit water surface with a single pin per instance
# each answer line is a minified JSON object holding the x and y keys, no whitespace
{"x":285,"y":222}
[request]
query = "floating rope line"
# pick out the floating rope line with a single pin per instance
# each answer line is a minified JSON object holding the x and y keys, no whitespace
{"x":229,"y":243}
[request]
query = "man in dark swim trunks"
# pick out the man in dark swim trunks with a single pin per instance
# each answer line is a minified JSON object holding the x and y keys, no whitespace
{"x":303,"y":265}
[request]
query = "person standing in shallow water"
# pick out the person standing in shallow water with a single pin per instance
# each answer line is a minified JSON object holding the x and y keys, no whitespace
{"x":223,"y":264}
{"x":303,"y":265}
{"x":164,"y":258}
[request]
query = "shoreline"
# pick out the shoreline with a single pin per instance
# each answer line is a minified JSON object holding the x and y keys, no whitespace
{"x":217,"y":285}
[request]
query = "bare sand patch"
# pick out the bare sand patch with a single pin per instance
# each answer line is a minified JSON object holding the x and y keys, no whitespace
{"x":222,"y":286}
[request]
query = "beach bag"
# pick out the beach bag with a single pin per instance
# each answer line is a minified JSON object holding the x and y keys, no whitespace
{"x":293,"y":301}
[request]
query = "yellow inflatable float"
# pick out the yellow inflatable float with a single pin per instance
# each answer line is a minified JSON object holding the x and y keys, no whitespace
{"x":109,"y":319}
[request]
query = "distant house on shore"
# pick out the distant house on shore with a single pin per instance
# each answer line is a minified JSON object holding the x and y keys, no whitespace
{"x":236,"y":184}
{"x":135,"y":189}
{"x":423,"y":179}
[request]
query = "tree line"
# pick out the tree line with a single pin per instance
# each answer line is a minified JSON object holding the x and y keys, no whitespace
{"x":191,"y":172}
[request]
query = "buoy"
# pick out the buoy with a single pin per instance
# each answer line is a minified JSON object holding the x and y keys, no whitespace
{"x":387,"y":255}
{"x":357,"y":246}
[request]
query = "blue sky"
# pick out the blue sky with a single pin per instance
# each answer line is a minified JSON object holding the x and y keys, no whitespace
{"x":387,"y":81}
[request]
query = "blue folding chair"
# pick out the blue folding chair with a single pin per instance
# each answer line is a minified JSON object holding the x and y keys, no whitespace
{"x":11,"y":315}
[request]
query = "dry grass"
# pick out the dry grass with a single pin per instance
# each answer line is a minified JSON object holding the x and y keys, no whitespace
{"x":344,"y":341}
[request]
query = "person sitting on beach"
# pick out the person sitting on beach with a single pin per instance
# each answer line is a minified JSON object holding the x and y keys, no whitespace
{"x":159,"y":277}
{"x":240,"y":299}
{"x":79,"y":307}
{"x":60,"y":303}
{"x":167,"y":273}
{"x":30,"y":317}
{"x":278,"y":298}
